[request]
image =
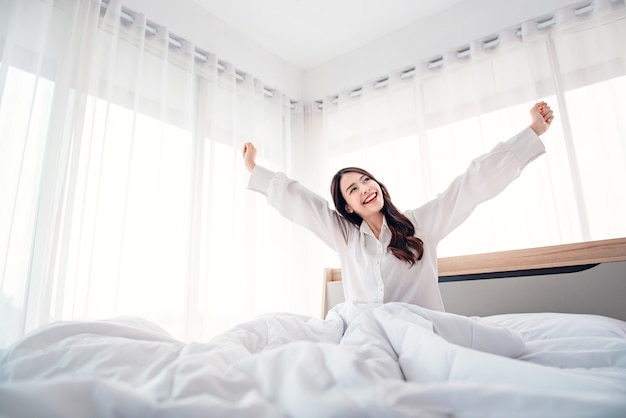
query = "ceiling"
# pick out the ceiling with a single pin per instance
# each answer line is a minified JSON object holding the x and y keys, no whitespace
{"x":308,"y":33}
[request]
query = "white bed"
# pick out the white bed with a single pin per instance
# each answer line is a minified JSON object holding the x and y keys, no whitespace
{"x":362,"y":360}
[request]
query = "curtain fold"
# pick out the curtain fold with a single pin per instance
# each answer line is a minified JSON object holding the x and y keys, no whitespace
{"x":122,"y":177}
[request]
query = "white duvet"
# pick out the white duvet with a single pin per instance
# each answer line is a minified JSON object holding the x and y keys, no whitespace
{"x":391,"y":360}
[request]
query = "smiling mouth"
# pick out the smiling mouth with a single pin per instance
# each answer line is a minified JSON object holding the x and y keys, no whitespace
{"x":370,"y":198}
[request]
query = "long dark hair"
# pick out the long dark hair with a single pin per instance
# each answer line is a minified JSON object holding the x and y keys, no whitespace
{"x":404,"y":244}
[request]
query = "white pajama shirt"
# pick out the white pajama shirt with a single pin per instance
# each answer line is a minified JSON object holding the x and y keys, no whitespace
{"x":370,"y":272}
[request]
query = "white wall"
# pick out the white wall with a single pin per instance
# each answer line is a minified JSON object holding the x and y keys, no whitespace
{"x":469,"y":20}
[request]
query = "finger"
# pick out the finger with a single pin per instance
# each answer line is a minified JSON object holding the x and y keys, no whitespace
{"x":548,"y":115}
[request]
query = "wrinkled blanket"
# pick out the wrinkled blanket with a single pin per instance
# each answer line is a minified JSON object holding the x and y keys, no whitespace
{"x":364,"y":360}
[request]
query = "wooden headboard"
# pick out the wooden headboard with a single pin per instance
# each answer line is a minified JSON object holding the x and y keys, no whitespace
{"x":532,"y":263}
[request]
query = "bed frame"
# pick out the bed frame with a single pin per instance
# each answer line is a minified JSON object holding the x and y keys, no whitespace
{"x":587,"y":277}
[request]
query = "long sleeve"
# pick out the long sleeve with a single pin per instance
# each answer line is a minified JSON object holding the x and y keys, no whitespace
{"x":485,"y":178}
{"x":300,"y":205}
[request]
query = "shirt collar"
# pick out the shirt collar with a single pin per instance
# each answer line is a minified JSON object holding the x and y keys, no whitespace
{"x":385,"y":232}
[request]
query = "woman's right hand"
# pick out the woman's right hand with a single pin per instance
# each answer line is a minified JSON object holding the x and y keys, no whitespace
{"x":249,"y":155}
{"x":542,"y":117}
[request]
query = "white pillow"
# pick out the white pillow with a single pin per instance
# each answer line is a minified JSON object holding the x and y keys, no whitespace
{"x":546,"y":325}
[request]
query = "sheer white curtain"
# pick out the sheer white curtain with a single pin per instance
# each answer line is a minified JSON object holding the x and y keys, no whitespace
{"x":121,"y":176}
{"x":416,"y":131}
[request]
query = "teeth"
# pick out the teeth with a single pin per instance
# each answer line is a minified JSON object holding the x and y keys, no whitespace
{"x":369,"y":199}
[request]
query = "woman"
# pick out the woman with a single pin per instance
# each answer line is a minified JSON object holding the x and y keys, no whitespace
{"x":387,"y":256}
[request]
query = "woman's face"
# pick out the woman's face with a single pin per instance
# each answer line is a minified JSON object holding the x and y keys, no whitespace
{"x":362,"y":194}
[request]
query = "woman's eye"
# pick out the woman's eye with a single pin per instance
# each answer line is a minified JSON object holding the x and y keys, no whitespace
{"x":366,"y":179}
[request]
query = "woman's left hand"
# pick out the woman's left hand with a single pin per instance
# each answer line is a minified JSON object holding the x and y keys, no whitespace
{"x":249,"y":155}
{"x":542,"y":118}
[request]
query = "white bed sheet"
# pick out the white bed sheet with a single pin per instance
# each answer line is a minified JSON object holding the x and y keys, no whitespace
{"x":364,"y":360}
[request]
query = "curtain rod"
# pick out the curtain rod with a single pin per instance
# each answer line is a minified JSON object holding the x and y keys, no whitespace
{"x":494,"y":42}
{"x":461,"y":53}
{"x":127,"y":15}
